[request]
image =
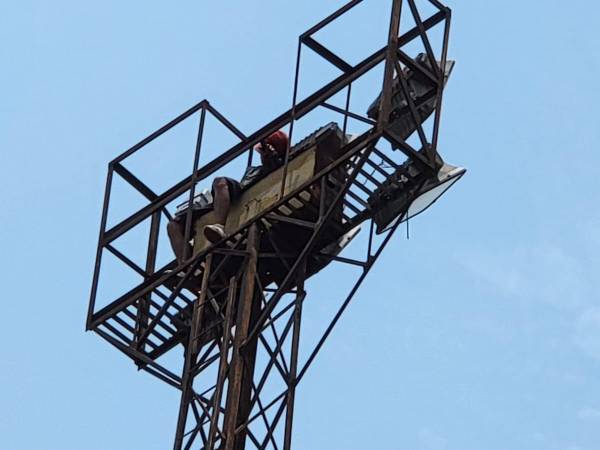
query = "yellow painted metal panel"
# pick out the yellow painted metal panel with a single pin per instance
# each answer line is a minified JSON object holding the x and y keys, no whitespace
{"x":262,"y":195}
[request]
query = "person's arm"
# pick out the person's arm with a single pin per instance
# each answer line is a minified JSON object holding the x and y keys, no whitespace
{"x":268,"y":155}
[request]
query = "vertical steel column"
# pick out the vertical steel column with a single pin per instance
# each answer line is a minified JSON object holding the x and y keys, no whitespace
{"x":188,"y":217}
{"x":438,"y":108}
{"x":291,"y":394}
{"x":292,"y":118}
{"x":143,"y":305}
{"x":191,"y":354}
{"x":99,"y":248}
{"x":390,"y":58}
{"x":241,"y":372}
{"x":223,"y":364}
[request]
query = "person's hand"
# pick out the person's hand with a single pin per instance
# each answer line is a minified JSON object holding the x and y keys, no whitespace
{"x":267,"y":150}
{"x":258,"y":148}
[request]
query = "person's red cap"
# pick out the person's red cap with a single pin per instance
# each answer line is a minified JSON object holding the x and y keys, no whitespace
{"x":279,"y":141}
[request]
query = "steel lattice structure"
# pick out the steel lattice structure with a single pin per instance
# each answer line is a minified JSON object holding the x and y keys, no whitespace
{"x":241,"y":367}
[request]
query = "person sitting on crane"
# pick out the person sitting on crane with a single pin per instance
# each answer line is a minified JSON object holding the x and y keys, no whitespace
{"x":226,"y":190}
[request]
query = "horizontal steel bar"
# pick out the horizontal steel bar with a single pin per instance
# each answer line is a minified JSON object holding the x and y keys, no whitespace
{"x":225,"y":121}
{"x":126,"y":260}
{"x":135,"y":182}
{"x":348,"y":113}
{"x":327,"y":54}
{"x":341,"y":259}
{"x":418,"y":68}
{"x":327,"y":20}
{"x":135,"y":355}
{"x":291,"y":220}
{"x":197,"y":107}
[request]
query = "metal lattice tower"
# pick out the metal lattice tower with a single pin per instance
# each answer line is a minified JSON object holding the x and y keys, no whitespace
{"x":234,"y":309}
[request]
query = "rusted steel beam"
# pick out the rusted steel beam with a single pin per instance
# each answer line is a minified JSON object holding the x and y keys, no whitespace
{"x":241,"y":371}
{"x":135,"y":182}
{"x":99,"y":249}
{"x":390,"y":57}
{"x":416,"y":116}
{"x":135,"y":355}
{"x":223,"y":364}
{"x":191,"y":353}
{"x":425,"y":39}
{"x":324,"y":52}
{"x":438,"y":108}
{"x":188,"y":217}
{"x":347,"y":114}
{"x":291,"y":396}
{"x":144,"y":302}
{"x":327,"y":20}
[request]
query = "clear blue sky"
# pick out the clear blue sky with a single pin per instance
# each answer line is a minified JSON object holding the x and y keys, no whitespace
{"x":480,"y":332}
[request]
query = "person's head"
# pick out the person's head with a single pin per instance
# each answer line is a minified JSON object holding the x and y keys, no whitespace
{"x":278,"y":141}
